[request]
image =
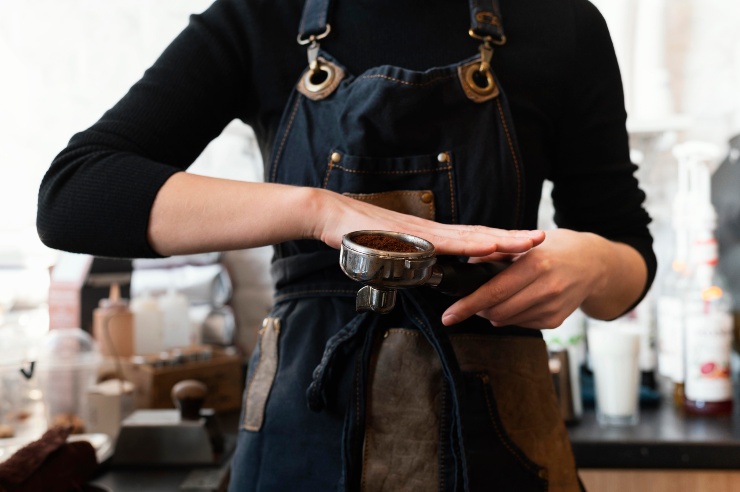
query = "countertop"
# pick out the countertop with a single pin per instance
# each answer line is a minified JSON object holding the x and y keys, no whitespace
{"x":665,"y":437}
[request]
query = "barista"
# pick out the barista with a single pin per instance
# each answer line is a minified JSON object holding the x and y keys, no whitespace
{"x":440,"y":122}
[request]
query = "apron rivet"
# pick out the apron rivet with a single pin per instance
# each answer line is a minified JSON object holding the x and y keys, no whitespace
{"x":427,"y":197}
{"x":386,"y":333}
{"x":443,"y":157}
{"x":336,"y":157}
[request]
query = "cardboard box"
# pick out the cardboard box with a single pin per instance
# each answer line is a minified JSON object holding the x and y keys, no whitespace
{"x":221,"y":373}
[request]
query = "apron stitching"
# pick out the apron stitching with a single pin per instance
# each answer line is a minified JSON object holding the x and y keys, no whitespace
{"x":452,"y":194}
{"x":414,"y":84}
{"x":516,"y":162}
{"x":285,"y":137}
{"x":419,"y":171}
{"x":421,"y":324}
{"x":488,"y":337}
{"x":319,"y":291}
{"x":403,"y":193}
{"x":328,"y":172}
{"x":442,"y":437}
{"x":404,"y":331}
{"x":358,"y":367}
{"x":502,"y":438}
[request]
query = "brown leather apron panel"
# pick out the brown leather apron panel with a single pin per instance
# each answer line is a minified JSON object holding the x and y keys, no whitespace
{"x":403,"y":410}
{"x":521,"y":382}
{"x":419,"y":203}
{"x":405,"y":397}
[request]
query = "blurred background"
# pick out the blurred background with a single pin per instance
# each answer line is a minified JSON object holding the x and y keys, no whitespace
{"x":64,"y":62}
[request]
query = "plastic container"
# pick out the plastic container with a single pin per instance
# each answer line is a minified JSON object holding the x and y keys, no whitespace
{"x":148,"y":325}
{"x":18,"y":336}
{"x":178,"y":330}
{"x":67,"y":366}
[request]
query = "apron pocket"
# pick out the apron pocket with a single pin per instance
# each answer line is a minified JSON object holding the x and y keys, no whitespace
{"x":509,"y":380}
{"x":492,"y":457}
{"x":419,"y":184}
{"x":259,"y":386}
{"x":417,"y":203}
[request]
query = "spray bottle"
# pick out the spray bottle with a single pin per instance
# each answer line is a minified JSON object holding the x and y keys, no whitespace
{"x":707,"y":310}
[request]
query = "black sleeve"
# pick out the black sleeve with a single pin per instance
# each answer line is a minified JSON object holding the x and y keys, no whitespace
{"x":594,"y":187}
{"x":98,"y":192}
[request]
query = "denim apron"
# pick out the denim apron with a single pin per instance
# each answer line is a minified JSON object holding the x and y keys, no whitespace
{"x":337,"y":400}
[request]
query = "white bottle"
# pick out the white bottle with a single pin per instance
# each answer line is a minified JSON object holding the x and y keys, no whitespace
{"x":707,"y":314}
{"x":148,"y":325}
{"x":177,"y":327}
{"x":669,"y":303}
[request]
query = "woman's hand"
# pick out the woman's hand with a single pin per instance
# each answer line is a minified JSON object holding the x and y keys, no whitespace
{"x":545,"y":285}
{"x":341,"y":215}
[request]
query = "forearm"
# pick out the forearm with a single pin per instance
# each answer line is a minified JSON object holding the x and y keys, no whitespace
{"x":193,"y":214}
{"x":618,"y":279}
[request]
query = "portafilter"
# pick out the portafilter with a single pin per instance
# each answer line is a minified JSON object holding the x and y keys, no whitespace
{"x":386,"y":261}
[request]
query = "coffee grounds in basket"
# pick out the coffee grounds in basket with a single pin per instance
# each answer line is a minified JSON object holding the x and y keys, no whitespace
{"x":384,"y":243}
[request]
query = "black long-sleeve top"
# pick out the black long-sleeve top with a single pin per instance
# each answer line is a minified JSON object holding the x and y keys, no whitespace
{"x":240,"y":59}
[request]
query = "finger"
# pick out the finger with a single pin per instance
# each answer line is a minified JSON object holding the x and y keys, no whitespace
{"x":476,"y":241}
{"x":541,"y":317}
{"x":494,"y":292}
{"x":531,"y":308}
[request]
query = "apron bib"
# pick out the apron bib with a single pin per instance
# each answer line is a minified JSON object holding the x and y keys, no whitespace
{"x":337,"y":400}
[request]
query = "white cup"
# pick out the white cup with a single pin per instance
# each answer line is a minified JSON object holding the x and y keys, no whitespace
{"x":614,"y":350}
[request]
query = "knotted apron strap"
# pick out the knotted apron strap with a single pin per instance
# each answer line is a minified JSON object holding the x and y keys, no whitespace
{"x":316,"y":394}
{"x":485,"y":20}
{"x":416,"y":308}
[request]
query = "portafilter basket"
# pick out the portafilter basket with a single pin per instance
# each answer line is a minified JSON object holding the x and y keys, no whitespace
{"x":386,"y":261}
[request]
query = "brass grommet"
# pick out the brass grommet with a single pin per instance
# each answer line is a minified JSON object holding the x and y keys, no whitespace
{"x":427,"y":197}
{"x":443,"y":157}
{"x":328,"y":73}
{"x":470,"y":73}
{"x":336,"y":157}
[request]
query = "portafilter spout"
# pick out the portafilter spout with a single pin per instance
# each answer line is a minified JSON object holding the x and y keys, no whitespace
{"x":386,"y":261}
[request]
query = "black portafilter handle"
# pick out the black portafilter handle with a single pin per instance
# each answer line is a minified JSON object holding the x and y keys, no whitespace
{"x":460,"y":279}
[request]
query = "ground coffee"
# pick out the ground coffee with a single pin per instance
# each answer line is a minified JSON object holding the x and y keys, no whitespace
{"x":384,"y":243}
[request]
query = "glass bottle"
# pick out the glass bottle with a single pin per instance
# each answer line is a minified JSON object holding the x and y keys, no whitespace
{"x":708,"y":334}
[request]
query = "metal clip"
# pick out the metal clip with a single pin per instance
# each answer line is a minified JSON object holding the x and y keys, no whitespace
{"x":486,"y":53}
{"x":313,"y":56}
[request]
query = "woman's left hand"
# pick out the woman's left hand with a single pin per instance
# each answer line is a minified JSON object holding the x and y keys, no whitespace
{"x":545,"y":285}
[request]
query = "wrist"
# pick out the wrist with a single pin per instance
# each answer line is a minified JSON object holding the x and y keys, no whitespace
{"x":312,"y":203}
{"x":618,"y":279}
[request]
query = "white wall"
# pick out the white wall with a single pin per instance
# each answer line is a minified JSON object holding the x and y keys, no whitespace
{"x":64,"y":62}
